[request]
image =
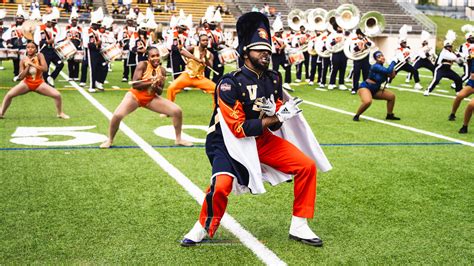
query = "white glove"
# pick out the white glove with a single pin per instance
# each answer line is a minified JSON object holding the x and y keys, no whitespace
{"x":268,"y":106}
{"x":289,"y":109}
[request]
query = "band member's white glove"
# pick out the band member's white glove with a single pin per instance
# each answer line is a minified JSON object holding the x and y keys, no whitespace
{"x":289,"y":109}
{"x":268,"y":106}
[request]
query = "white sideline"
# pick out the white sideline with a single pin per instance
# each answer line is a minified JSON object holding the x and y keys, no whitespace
{"x":252,"y":243}
{"x":392,"y":124}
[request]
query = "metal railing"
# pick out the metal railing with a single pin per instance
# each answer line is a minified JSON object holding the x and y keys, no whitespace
{"x":410,"y":8}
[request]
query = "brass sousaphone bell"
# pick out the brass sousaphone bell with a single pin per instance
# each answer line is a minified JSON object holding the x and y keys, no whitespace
{"x":296,"y":19}
{"x":371,"y":24}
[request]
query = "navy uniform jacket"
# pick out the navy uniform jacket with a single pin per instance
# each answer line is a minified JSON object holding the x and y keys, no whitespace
{"x":235,"y":96}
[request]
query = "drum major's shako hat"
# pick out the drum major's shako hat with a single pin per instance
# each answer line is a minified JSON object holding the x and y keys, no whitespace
{"x":253,"y":30}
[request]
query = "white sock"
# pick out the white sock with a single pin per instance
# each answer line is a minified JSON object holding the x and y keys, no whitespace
{"x":196,"y":234}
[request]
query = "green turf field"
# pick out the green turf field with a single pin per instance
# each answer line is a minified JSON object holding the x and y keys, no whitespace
{"x":395,"y":196}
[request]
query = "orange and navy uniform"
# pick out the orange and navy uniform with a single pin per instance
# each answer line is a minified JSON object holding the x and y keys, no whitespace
{"x":47,"y":34}
{"x":145,"y":96}
{"x":236,"y":97}
{"x":192,"y":77}
{"x":35,"y":78}
{"x":74,"y":34}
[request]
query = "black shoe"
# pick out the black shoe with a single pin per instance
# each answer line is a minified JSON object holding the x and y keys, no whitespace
{"x":315,"y":242}
{"x":452,"y":117}
{"x":463,"y":130}
{"x":392,"y":117}
{"x":188,"y":243}
{"x":356,"y":118}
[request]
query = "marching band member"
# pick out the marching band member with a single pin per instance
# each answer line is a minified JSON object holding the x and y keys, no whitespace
{"x":325,"y":61}
{"x":370,"y":88}
{"x":108,"y":39}
{"x":31,"y":79}
{"x":465,"y":92}
{"x":127,"y":32}
{"x":360,"y":43}
{"x":47,"y":37}
{"x":278,"y":52}
{"x":176,"y":41}
{"x":466,"y":49}
{"x":403,"y":54}
{"x":467,"y":116}
{"x":14,"y":38}
{"x":198,"y":57}
{"x":314,"y":60}
{"x":148,"y":82}
{"x":74,"y":34}
{"x":96,"y":60}
{"x":85,"y":59}
{"x":423,"y":58}
{"x":3,"y":29}
{"x":249,"y":105}
{"x":443,"y":68}
{"x":338,"y":58}
{"x":300,"y":40}
{"x":140,"y":42}
{"x":216,"y":43}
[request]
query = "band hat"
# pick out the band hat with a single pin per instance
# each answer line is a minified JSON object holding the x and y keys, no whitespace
{"x":253,"y":30}
{"x":74,"y":14}
{"x":3,"y":13}
{"x":107,"y":22}
{"x":173,"y":21}
{"x":55,"y":13}
{"x":131,"y":15}
{"x":35,"y":14}
{"x":217,"y":18}
{"x":20,"y":12}
{"x":97,"y":16}
{"x":425,"y":36}
{"x":277,"y":24}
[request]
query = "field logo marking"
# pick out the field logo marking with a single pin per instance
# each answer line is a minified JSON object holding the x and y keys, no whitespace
{"x":228,"y":222}
{"x":167,"y":132}
{"x":36,"y":136}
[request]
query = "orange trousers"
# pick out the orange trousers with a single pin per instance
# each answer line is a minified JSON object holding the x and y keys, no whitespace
{"x":184,"y":81}
{"x":279,"y":154}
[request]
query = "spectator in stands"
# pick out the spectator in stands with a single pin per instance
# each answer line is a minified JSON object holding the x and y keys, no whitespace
{"x":127,"y":3}
{"x":167,"y":8}
{"x":136,"y":10}
{"x":219,"y":7}
{"x":272,"y":11}
{"x":115,"y":10}
{"x":226,"y":10}
{"x":159,"y":8}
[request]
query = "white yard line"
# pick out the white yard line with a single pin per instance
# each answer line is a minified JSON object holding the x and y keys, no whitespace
{"x":260,"y":250}
{"x":420,"y":131}
{"x":421,"y":91}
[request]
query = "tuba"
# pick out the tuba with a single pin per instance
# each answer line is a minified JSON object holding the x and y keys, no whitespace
{"x":371,"y":24}
{"x":317,"y":19}
{"x":320,"y":46}
{"x":330,"y":19}
{"x":296,"y":19}
{"x":347,"y":16}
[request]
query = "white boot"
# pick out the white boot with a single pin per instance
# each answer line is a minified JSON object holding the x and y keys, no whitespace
{"x":194,"y":236}
{"x":99,"y":85}
{"x":418,"y":86}
{"x":287,"y":87}
{"x":50,"y":80}
{"x":426,"y":93}
{"x":300,"y":231}
{"x":331,"y":87}
{"x":342,"y":87}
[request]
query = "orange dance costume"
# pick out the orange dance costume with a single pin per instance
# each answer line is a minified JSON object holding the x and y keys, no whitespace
{"x":34,"y":78}
{"x":192,"y":77}
{"x":144,"y":97}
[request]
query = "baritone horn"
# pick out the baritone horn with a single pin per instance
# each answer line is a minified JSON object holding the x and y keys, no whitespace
{"x":347,"y":16}
{"x":372,"y":23}
{"x":317,"y":19}
{"x":296,"y":19}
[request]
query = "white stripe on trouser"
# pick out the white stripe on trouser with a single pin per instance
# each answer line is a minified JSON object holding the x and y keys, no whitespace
{"x":414,"y":63}
{"x":435,"y":77}
{"x":466,"y":72}
{"x":90,"y":68}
